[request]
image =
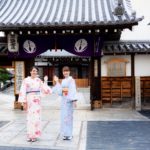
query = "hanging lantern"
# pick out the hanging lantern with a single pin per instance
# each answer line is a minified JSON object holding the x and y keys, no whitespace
{"x":12,"y":40}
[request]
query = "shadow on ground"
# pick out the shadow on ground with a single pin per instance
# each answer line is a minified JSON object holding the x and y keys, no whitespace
{"x":2,"y":123}
{"x":145,"y":113}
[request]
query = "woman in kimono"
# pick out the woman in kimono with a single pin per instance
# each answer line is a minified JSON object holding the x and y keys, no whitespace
{"x":30,"y":97}
{"x":67,"y":91}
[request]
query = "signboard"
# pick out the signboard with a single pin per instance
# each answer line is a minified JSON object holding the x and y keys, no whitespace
{"x":137,"y":93}
{"x":13,"y":45}
{"x":19,"y":75}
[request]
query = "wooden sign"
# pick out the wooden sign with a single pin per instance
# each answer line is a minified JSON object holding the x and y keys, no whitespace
{"x":19,"y":75}
{"x":13,"y":45}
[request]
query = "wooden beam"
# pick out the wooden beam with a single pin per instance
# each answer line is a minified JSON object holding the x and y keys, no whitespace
{"x":133,"y":78}
{"x":95,"y":81}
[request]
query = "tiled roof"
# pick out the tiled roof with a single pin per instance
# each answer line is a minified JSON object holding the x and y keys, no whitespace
{"x":55,"y":13}
{"x":121,"y":47}
{"x":58,"y":53}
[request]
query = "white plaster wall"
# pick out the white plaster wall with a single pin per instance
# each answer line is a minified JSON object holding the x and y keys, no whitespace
{"x":142,"y":65}
{"x":104,"y":65}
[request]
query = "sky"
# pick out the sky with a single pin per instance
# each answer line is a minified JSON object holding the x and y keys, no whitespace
{"x":142,"y":30}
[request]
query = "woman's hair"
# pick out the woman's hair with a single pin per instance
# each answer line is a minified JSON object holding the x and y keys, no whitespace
{"x":34,"y":67}
{"x":65,"y":68}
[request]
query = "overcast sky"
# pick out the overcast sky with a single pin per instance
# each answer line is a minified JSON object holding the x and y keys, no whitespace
{"x":142,"y":31}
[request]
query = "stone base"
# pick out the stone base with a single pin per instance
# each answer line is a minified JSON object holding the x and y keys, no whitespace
{"x":17,"y":105}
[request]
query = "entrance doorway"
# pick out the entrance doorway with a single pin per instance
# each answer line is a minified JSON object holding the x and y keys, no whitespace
{"x":80,"y":69}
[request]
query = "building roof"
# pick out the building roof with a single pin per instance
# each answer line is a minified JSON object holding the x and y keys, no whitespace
{"x":126,"y":47}
{"x":58,"y":53}
{"x":110,"y":47}
{"x":58,"y":13}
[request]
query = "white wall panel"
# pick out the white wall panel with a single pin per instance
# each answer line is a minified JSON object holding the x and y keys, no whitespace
{"x":142,"y":65}
{"x":104,"y":65}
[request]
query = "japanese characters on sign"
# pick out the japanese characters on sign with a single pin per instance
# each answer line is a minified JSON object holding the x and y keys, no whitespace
{"x":13,"y":45}
{"x":19,"y":75}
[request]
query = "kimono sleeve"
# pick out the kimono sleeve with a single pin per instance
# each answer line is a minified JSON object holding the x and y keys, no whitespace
{"x":57,"y":89}
{"x":22,"y":92}
{"x":72,"y":94}
{"x":45,"y":89}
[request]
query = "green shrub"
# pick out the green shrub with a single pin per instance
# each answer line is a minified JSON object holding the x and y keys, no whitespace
{"x":4,"y":75}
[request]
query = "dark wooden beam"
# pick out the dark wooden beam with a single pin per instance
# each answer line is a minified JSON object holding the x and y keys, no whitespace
{"x":28,"y":64}
{"x":95,"y":81}
{"x":69,"y":27}
{"x":133,"y":78}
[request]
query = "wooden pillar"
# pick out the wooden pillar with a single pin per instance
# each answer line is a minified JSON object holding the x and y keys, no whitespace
{"x":60,"y":72}
{"x":79,"y":72}
{"x":133,"y":79}
{"x":95,"y":82}
{"x":28,"y":64}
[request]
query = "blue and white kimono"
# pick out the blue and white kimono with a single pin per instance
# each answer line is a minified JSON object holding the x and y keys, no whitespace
{"x":66,"y":104}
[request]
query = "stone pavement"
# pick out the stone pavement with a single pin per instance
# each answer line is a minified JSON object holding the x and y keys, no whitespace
{"x":14,"y":132}
{"x":118,"y":135}
{"x":22,"y":148}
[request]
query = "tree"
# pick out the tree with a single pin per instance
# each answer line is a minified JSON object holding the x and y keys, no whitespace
{"x":4,"y":75}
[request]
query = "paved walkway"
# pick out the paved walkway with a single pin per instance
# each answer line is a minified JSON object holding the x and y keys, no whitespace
{"x":14,"y":132}
{"x":118,"y":135}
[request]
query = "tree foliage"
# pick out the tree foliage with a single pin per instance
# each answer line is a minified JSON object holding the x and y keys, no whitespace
{"x":4,"y":75}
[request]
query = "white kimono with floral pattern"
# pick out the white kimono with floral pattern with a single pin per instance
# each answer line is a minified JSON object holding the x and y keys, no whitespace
{"x":30,"y":92}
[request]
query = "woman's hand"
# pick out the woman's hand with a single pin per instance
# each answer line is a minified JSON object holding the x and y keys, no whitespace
{"x":45,"y":79}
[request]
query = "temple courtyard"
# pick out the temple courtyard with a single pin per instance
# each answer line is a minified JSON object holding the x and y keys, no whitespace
{"x":100,"y":129}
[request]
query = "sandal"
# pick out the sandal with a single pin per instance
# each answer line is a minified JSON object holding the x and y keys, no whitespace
{"x":29,"y":140}
{"x":69,"y":138}
{"x":33,"y":140}
{"x":64,"y":137}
